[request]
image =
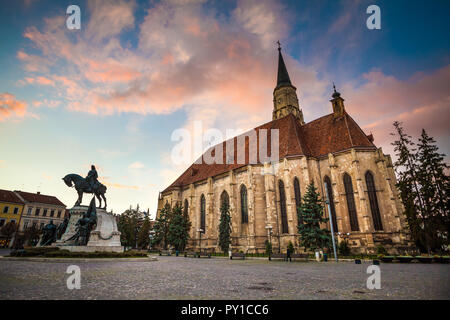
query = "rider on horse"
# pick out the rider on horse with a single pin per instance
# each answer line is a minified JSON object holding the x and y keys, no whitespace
{"x":91,"y":178}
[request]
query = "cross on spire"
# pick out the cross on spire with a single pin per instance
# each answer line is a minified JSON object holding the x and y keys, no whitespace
{"x":279,"y":45}
{"x":335,"y":93}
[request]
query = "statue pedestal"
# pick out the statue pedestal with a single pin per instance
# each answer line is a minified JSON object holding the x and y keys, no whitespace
{"x":105,"y":237}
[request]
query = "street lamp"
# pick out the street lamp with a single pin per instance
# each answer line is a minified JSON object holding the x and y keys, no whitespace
{"x":344,"y":236}
{"x":327,"y":201}
{"x":200,"y":231}
{"x":269,"y":231}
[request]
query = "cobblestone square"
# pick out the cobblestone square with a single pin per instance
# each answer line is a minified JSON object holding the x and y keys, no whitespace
{"x":219,"y":278}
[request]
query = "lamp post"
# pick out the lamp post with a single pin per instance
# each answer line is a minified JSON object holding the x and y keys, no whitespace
{"x":327,"y":201}
{"x":269,"y":231}
{"x":200,"y":231}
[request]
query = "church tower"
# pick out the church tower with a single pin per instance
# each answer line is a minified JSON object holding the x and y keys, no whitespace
{"x":285,"y":99}
{"x":338,"y":103}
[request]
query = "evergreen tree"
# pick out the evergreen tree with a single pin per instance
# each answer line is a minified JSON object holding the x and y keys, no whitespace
{"x":144,"y":233}
{"x":225,"y":227}
{"x":435,"y":185}
{"x":312,"y":237}
{"x":178,"y":230}
{"x":408,"y":185}
{"x":161,"y":226}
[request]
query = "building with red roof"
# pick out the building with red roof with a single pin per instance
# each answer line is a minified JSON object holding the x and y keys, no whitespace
{"x":263,"y":181}
{"x":39,"y":209}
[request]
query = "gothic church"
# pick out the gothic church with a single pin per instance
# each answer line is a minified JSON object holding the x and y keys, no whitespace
{"x":333,"y":151}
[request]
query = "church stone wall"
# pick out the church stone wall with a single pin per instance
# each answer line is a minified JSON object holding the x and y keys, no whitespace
{"x":264,"y":202}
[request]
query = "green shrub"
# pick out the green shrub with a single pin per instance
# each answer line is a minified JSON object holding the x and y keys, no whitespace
{"x":55,"y":252}
{"x":381,"y":250}
{"x":290,"y":247}
{"x":32,"y":251}
{"x":344,"y":249}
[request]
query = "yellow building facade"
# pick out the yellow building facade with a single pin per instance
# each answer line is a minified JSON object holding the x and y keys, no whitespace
{"x":11,"y":210}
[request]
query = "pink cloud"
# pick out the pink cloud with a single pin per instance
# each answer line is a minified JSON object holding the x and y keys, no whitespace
{"x":186,"y":56}
{"x":423,"y":101}
{"x":11,"y":108}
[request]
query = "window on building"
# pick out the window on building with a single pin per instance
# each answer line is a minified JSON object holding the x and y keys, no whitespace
{"x":244,"y":204}
{"x":13,"y":221}
{"x":30,"y":209}
{"x":44,"y":214}
{"x":298,"y":199}
{"x":376,"y":216}
{"x":203,"y":213}
{"x":5,"y":209}
{"x":349,"y":194}
{"x":224,"y":198}
{"x":25,"y":224}
{"x":284,"y":222}
{"x":59,"y":214}
{"x":329,"y":188}
{"x":186,"y":207}
{"x":41,"y":226}
{"x":36,"y":212}
{"x":34,"y":224}
{"x":16,"y":210}
{"x":2,"y":222}
{"x":52,"y":213}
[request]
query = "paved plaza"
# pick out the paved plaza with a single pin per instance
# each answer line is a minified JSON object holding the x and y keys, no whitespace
{"x":218,"y":278}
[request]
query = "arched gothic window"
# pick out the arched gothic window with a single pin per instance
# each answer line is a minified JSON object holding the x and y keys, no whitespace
{"x":349,"y":194}
{"x":298,"y":199}
{"x":284,"y":222}
{"x":224,"y":198}
{"x":327,"y":181}
{"x":376,"y":216}
{"x":186,"y":207}
{"x":244,"y":204}
{"x":203,"y":213}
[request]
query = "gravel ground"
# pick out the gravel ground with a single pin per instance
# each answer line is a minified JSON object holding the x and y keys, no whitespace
{"x":189,"y":278}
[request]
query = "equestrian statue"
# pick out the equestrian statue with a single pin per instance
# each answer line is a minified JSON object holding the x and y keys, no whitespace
{"x":90,"y":184}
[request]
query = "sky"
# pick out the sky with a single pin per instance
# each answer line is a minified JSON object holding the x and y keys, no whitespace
{"x":113,"y":92}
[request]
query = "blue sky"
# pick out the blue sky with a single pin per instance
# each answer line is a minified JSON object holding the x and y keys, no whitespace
{"x":113,"y":92}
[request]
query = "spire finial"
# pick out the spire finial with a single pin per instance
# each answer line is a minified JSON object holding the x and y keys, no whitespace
{"x":279,"y":45}
{"x":335,"y":93}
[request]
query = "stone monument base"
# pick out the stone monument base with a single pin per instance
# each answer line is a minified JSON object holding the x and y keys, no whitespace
{"x":104,"y":237}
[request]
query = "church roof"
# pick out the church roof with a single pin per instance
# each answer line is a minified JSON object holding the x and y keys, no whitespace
{"x":9,"y":196}
{"x":283,"y":75}
{"x":315,"y":139}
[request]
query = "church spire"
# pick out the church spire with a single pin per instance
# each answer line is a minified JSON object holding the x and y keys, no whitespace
{"x":283,"y":75}
{"x":285,"y":99}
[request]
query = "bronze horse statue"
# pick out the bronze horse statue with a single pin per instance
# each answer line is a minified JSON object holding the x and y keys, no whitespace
{"x":82,"y":186}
